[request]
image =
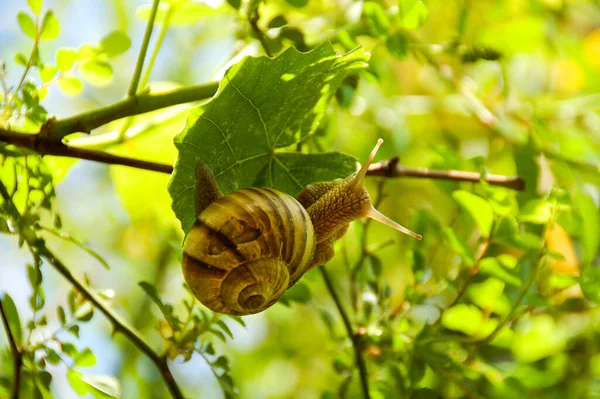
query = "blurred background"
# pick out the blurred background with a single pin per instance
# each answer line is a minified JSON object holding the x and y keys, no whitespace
{"x":509,"y":87}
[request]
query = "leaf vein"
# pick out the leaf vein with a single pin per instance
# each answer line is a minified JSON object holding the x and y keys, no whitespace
{"x":289,"y":173}
{"x":222,"y":133}
{"x":256,"y":108}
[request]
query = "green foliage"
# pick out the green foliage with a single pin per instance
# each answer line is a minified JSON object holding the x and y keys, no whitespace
{"x":181,"y":13}
{"x":50,"y":27}
{"x":27,"y":25}
{"x":500,"y":298}
{"x":195,"y":333}
{"x":279,"y":102}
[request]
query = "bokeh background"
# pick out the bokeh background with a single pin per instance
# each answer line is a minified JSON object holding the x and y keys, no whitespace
{"x":431,"y":112}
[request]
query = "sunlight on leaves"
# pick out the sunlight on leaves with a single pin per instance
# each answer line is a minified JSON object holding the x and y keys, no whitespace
{"x":478,"y":208}
{"x":270,"y":113}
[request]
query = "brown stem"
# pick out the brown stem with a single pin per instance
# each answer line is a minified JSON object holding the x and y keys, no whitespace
{"x":16,"y":352}
{"x":391,"y":168}
{"x":387,"y":168}
{"x":355,"y":338}
{"x":119,"y":324}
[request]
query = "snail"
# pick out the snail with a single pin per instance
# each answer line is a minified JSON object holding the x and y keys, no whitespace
{"x":248,"y":247}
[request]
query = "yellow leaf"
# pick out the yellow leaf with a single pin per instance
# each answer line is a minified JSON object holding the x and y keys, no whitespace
{"x":558,"y":240}
{"x":567,"y":76}
{"x":591,"y":48}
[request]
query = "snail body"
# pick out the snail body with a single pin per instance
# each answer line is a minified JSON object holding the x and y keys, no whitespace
{"x":248,"y":247}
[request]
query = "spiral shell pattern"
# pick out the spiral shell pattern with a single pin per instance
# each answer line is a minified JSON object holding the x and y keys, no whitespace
{"x":246,"y":249}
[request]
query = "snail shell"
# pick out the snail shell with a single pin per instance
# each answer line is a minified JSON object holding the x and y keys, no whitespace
{"x":245,"y":250}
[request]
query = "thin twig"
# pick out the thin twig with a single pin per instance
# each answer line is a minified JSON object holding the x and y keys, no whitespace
{"x":387,"y":168}
{"x":146,"y":78}
{"x":16,"y":352}
{"x":36,"y":43}
{"x":253,"y":17}
{"x":119,"y":324}
{"x":391,"y":168}
{"x":142,"y":54}
{"x":473,"y":271}
{"x":354,"y":338}
{"x":522,"y":294}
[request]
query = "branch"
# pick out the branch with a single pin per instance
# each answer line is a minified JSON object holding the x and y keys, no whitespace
{"x":387,"y":168}
{"x":119,"y":324}
{"x":142,"y":54}
{"x":391,"y":168}
{"x":355,"y":338}
{"x":104,"y":157}
{"x":17,"y":355}
{"x":56,"y":130}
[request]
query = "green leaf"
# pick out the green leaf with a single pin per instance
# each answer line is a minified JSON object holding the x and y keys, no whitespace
{"x":225,"y":328}
{"x":36,"y":6}
{"x":21,"y":59}
{"x":235,"y":3}
{"x":85,"y":313}
{"x":277,"y":22}
{"x":590,"y":234}
{"x":100,"y":386}
{"x":115,"y":43}
{"x":210,"y":349}
{"x":70,"y":85}
{"x":536,"y":211}
{"x":74,"y":330}
{"x":459,"y":245}
{"x":12,"y":316}
{"x":165,"y":309}
{"x":465,"y":318}
{"x":43,"y":391}
{"x":69,"y":349}
{"x":50,"y":26}
{"x":298,"y":3}
{"x":34,"y":274}
{"x":27,"y":25}
{"x":299,"y":293}
{"x":412,"y":14}
{"x":85,"y":358}
{"x":221,"y":363}
{"x":277,"y":102}
{"x":97,"y":72}
{"x":508,"y":234}
{"x":538,"y":337}
{"x":218,"y":334}
{"x":181,"y":14}
{"x":53,"y":357}
{"x":377,"y":18}
{"x":86,"y":52}
{"x":397,"y":45}
{"x":478,"y":208}
{"x":37,"y":299}
{"x":590,"y":284}
{"x":492,"y":267}
{"x":60,"y":312}
{"x":488,"y":296}
{"x":65,"y":58}
{"x":47,"y":73}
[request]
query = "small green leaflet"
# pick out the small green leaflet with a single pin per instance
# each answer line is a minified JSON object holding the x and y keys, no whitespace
{"x":263,"y":104}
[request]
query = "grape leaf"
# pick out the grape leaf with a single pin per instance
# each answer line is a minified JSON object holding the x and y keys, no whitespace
{"x":263,"y":104}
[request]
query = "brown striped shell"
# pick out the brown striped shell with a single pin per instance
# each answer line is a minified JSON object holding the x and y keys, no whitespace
{"x":245,"y":250}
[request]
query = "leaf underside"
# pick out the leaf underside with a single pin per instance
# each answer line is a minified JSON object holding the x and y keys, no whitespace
{"x":262,"y":105}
